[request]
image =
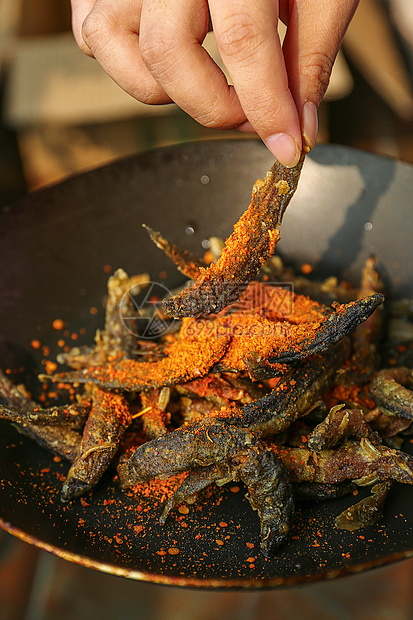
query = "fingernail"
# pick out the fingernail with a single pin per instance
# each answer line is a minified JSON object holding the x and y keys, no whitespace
{"x":309,"y":124}
{"x":284,"y":148}
{"x":246,"y":127}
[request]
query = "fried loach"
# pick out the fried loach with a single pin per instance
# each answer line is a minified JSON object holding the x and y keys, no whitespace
{"x":253,"y":240}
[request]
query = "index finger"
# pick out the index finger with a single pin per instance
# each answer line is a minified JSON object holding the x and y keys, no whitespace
{"x":248,"y":41}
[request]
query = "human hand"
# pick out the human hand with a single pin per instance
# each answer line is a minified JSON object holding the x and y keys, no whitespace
{"x":153,"y":50}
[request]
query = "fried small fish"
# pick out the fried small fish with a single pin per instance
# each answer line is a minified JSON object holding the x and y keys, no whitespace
{"x":253,"y":240}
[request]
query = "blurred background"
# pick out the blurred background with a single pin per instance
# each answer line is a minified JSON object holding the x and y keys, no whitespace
{"x":60,"y":115}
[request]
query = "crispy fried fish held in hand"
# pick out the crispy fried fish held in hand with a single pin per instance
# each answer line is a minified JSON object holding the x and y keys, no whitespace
{"x":254,"y":238}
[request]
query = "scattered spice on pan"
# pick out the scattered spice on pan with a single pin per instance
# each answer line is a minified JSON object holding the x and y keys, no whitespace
{"x":58,"y":324}
{"x":306,"y":268}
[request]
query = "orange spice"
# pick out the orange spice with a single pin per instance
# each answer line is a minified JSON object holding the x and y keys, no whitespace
{"x":352,"y":393}
{"x":306,"y":268}
{"x":50,"y":366}
{"x":159,"y":490}
{"x":186,"y":360}
{"x":228,"y":338}
{"x":208,"y":257}
{"x":115,"y":406}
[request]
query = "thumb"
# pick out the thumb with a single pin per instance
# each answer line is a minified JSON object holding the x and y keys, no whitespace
{"x":80,"y":10}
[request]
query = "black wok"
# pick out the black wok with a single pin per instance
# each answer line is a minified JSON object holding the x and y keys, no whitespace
{"x":55,"y":245}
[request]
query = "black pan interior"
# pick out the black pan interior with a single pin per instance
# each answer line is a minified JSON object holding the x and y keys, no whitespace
{"x":57,"y":246}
